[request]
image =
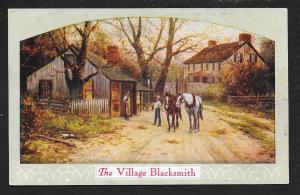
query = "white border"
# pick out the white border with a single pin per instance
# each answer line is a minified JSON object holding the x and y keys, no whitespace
{"x":270,"y":23}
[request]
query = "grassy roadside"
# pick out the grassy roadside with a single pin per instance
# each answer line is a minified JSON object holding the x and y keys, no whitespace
{"x":85,"y":127}
{"x":253,"y":122}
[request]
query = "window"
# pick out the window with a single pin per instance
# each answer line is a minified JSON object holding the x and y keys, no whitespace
{"x":241,"y":57}
{"x":207,"y":66}
{"x":201,"y":66}
{"x":204,"y":80}
{"x":213,"y":66}
{"x":196,"y":79}
{"x":193,"y":66}
{"x":253,"y":58}
{"x":45,"y":89}
{"x":219,"y":65}
{"x":220,"y":79}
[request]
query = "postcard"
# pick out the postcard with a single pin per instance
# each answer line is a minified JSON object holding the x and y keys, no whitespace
{"x":148,"y":96}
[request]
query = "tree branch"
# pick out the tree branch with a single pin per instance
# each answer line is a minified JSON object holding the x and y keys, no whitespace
{"x":79,"y":30}
{"x":132,"y":29}
{"x":90,"y":76}
{"x":125,"y":32}
{"x":155,"y":49}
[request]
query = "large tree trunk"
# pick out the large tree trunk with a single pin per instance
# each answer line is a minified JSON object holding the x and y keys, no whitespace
{"x":160,"y":84}
{"x":75,"y":85}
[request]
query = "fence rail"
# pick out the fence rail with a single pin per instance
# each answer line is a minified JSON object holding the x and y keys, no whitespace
{"x":76,"y":106}
{"x":252,"y":100}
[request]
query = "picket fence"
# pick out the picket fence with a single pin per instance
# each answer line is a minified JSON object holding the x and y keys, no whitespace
{"x":76,"y":106}
{"x":89,"y":106}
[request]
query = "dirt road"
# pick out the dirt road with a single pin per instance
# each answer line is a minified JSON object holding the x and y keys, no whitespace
{"x":140,"y":142}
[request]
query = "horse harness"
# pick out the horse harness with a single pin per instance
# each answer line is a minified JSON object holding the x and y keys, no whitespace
{"x":193,"y":104}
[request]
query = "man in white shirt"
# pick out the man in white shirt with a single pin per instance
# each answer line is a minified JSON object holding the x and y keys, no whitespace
{"x":157,"y":106}
{"x":126,"y":100}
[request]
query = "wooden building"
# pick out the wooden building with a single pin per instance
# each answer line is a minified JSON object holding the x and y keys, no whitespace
{"x":48,"y":82}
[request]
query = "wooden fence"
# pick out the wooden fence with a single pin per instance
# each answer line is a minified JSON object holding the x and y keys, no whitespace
{"x":76,"y":106}
{"x":90,"y":106}
{"x":54,"y":105}
{"x":265,"y":101}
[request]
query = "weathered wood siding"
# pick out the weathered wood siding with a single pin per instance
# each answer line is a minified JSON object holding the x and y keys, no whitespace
{"x":54,"y":71}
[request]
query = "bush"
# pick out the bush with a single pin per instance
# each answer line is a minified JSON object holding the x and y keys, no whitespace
{"x":215,"y":92}
{"x":87,"y":125}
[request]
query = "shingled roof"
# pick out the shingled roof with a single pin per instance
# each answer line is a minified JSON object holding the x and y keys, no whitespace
{"x":217,"y":53}
{"x":116,"y":75}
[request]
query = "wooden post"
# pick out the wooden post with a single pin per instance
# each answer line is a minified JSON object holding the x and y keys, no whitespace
{"x":140,"y":101}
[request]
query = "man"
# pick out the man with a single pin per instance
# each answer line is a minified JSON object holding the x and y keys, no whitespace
{"x":157,"y":106}
{"x":126,"y":100}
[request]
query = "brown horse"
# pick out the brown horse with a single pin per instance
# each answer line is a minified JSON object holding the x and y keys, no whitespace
{"x":172,"y":110}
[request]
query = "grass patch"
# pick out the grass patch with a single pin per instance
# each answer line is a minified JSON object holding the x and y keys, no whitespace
{"x":256,"y":110}
{"x":42,"y":151}
{"x":243,"y":115}
{"x":266,"y":139}
{"x":83,"y":126}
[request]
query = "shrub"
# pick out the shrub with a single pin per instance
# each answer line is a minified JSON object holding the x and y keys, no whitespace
{"x":215,"y":92}
{"x":87,"y":125}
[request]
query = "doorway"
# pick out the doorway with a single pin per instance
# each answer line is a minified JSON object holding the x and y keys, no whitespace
{"x":45,"y":89}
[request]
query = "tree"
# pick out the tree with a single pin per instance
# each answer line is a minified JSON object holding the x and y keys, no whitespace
{"x":173,"y":48}
{"x":244,"y":78}
{"x":133,"y":33}
{"x":76,"y":80}
{"x":267,"y":51}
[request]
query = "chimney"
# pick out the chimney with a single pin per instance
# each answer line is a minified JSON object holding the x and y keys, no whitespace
{"x":245,"y":37}
{"x":211,"y":43}
{"x":112,"y":55}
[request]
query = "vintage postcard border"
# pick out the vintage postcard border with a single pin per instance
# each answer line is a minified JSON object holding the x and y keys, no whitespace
{"x":271,"y":23}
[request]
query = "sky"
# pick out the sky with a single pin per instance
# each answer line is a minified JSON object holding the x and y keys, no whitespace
{"x":205,"y":31}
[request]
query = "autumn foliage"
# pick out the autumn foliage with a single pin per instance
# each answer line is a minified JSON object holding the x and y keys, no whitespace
{"x":245,"y":78}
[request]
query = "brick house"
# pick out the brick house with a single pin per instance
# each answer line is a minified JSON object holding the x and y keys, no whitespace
{"x":204,"y":68}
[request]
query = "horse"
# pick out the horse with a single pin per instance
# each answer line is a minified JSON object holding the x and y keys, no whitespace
{"x":172,"y":110}
{"x":193,"y":107}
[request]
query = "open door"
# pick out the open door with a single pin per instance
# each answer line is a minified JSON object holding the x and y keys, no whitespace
{"x":125,"y":87}
{"x":115,"y":99}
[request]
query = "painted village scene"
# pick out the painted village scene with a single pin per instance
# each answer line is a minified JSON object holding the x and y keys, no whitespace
{"x":147,"y":90}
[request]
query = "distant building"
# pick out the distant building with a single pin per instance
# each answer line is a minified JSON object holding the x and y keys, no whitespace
{"x":205,"y":67}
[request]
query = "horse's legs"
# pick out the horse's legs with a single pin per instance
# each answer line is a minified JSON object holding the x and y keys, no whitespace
{"x":190,"y":119}
{"x":195,"y":120}
{"x":168,"y":122}
{"x":173,"y":121}
{"x":177,"y":123}
{"x":198,"y":119}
